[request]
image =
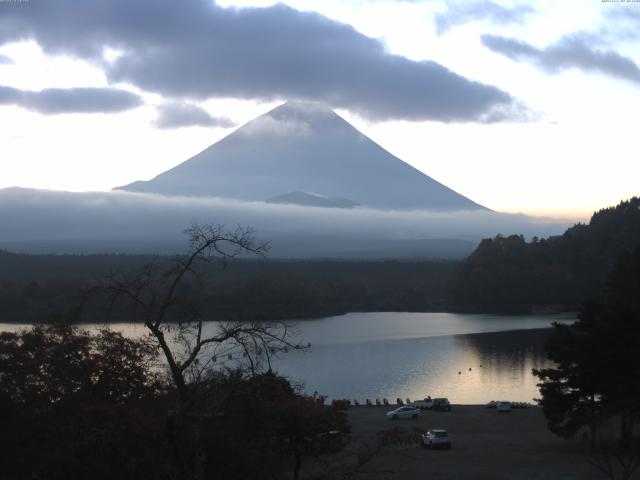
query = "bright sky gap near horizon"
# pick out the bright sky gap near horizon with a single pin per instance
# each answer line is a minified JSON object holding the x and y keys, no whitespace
{"x":526,"y":107}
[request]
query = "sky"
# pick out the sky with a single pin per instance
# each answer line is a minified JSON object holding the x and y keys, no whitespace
{"x":528,"y":107}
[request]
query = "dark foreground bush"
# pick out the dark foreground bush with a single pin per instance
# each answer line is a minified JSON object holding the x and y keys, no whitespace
{"x":75,"y":405}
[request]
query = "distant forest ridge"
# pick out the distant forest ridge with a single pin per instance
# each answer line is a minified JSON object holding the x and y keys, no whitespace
{"x":509,"y":273}
{"x":51,"y":288}
{"x":505,"y":274}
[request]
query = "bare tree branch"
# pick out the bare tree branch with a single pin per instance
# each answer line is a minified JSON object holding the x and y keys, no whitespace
{"x":154,"y":296}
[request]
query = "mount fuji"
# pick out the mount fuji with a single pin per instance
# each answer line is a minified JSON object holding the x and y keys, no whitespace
{"x":298,"y":153}
{"x":305,"y":179}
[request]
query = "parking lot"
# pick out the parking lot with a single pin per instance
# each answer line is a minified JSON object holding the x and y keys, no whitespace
{"x":485,"y":445}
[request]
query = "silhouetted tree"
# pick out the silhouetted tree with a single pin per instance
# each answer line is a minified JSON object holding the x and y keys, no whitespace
{"x":597,"y":374}
{"x":615,"y":460}
{"x":165,"y":299}
{"x":268,"y":420}
{"x":48,"y":365}
{"x":571,"y":391}
{"x":76,"y":405}
{"x":508,"y":273}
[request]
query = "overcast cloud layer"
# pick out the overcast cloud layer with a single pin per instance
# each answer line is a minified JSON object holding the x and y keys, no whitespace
{"x":461,"y":12}
{"x":196,"y":49}
{"x":51,"y":101}
{"x":569,"y":52}
{"x":108,"y":219}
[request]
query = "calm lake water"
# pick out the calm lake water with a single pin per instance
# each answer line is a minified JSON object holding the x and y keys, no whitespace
{"x":470,"y":359}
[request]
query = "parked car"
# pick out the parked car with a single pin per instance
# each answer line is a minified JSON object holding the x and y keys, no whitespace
{"x":441,"y":405}
{"x":425,"y":404}
{"x":504,"y":406}
{"x":403,"y":412}
{"x":436,"y":438}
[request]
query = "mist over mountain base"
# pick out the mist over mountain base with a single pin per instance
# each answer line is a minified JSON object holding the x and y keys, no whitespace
{"x":42,"y":221}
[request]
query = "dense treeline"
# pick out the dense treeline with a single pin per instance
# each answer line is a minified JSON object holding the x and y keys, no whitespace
{"x":76,"y":404}
{"x":36,"y":288}
{"x":510,"y":273}
{"x":594,"y":384}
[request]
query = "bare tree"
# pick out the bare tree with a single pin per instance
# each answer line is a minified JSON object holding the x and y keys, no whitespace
{"x":616,"y":460}
{"x":165,"y":298}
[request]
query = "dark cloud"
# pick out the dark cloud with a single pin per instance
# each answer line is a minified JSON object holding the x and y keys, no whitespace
{"x":4,"y":60}
{"x":196,"y":49}
{"x":52,"y":101}
{"x":177,"y":115}
{"x":569,"y":52}
{"x":459,"y":13}
{"x":510,"y":47}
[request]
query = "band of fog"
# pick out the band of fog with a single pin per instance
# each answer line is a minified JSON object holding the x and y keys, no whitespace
{"x":28,"y":215}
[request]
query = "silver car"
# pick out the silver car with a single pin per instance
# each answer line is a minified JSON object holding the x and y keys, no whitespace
{"x":403,"y":412}
{"x":436,"y":438}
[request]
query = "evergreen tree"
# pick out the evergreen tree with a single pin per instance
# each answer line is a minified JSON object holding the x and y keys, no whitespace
{"x":597,"y":374}
{"x":507,"y":273}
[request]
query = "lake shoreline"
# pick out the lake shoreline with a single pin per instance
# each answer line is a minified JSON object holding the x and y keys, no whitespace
{"x":568,"y":311}
{"x":468,"y":358}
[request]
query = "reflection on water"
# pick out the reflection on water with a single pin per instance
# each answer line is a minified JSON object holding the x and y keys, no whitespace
{"x":375,"y":326}
{"x":377,"y":355}
{"x":468,"y":369}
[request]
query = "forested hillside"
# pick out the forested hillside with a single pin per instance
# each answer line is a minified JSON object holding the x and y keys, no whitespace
{"x":509,"y":273}
{"x":44,"y":288}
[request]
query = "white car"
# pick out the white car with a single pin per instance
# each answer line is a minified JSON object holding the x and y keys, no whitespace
{"x":403,"y":412}
{"x":436,"y":438}
{"x":504,"y":406}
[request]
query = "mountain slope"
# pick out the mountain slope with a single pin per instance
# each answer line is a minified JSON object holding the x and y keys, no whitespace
{"x":304,"y":147}
{"x":311,"y":200}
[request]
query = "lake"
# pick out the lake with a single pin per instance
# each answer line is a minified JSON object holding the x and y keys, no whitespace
{"x":470,"y":359}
